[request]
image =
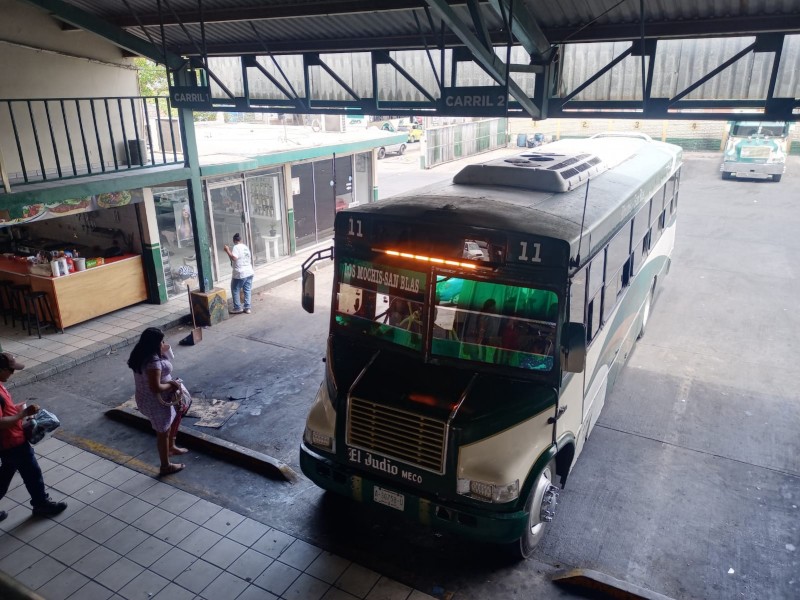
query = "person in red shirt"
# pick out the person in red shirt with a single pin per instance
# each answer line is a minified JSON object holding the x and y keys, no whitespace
{"x":16,"y":453}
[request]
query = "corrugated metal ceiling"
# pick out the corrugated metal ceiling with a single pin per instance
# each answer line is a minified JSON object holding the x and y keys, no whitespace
{"x":293,"y":26}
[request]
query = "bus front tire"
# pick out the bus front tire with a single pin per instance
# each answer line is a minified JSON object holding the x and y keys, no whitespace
{"x":776,"y":178}
{"x":541,"y":498}
{"x":726,"y":175}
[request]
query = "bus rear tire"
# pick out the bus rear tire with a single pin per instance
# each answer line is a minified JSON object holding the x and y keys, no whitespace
{"x":726,"y":175}
{"x":536,"y":528}
{"x":776,"y":178}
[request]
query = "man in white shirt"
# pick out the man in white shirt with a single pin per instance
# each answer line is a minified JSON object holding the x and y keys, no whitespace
{"x":242,"y":274}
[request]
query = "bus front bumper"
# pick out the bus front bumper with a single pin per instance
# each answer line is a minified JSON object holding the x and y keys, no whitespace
{"x":753,"y":170}
{"x":466,"y":521}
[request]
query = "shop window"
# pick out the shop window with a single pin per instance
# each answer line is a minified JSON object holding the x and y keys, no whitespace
{"x":176,"y":236}
{"x":265,"y":208}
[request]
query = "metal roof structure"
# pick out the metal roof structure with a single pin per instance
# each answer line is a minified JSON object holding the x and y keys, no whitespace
{"x":523,"y":52}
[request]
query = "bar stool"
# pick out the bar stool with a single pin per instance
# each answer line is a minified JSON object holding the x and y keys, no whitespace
{"x":37,"y":303}
{"x":18,"y":304}
{"x":6,"y":306}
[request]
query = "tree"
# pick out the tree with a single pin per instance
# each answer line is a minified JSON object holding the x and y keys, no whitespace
{"x":153,"y":82}
{"x":152,"y":78}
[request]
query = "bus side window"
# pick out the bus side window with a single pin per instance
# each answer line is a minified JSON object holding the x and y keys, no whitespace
{"x":594,"y":292}
{"x":618,"y":264}
{"x":593,"y":317}
{"x":641,"y":223}
{"x":655,"y":224}
{"x":577,"y":297}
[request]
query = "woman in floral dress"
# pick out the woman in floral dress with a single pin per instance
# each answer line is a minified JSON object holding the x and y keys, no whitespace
{"x":152,"y":373}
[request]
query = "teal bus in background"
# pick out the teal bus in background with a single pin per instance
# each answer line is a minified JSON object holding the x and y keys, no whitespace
{"x":477,"y":327}
{"x":756,"y":150}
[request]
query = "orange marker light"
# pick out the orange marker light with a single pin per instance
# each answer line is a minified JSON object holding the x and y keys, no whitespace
{"x":419,"y":257}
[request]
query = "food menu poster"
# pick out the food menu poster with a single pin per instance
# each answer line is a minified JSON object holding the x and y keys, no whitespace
{"x":41,"y":211}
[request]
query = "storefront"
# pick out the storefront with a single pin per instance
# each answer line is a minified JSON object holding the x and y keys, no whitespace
{"x":321,"y":188}
{"x":84,"y":253}
{"x":251,"y":204}
{"x":273,"y":221}
{"x":139,"y":244}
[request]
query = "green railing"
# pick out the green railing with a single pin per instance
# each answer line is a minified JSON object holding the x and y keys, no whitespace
{"x":48,"y":139}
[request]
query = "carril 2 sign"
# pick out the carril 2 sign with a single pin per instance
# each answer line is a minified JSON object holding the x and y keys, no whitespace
{"x":483,"y":100}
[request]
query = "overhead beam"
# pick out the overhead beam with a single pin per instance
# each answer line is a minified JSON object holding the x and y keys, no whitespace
{"x":490,"y":62}
{"x":695,"y":28}
{"x":349,"y":44}
{"x":266,"y":12}
{"x":83,"y":20}
{"x":523,"y":26}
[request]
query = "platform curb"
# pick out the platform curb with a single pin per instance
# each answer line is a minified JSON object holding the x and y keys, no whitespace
{"x":197,"y":440}
{"x":610,"y":587}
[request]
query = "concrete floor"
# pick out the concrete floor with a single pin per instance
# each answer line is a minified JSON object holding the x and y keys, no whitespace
{"x":689,"y":485}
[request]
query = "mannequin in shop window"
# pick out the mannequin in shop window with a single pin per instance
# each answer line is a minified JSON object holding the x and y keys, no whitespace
{"x":185,"y":227}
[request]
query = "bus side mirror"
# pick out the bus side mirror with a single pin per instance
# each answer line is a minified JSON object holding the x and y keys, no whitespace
{"x":574,"y":347}
{"x":308,"y":291}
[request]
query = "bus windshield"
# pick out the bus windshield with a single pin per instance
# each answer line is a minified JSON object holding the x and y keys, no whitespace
{"x":381,"y":301}
{"x":494,"y":323}
{"x":764,"y":129}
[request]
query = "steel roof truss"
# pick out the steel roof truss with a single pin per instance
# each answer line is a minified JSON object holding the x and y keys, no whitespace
{"x":381,"y":57}
{"x":677,"y":107}
{"x":524,"y":27}
{"x":614,"y":62}
{"x":483,"y":56}
{"x":439,"y":81}
{"x":198,"y":66}
{"x":713,"y":73}
{"x":315,"y":60}
{"x":252,"y":62}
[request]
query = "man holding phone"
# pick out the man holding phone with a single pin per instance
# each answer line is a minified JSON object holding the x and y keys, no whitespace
{"x":16,"y":453}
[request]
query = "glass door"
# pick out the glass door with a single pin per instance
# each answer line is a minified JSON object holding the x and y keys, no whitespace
{"x":228,"y":216}
{"x":264,"y":193}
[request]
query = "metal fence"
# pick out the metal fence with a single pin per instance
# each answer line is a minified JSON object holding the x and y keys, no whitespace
{"x":453,"y":142}
{"x":60,"y":138}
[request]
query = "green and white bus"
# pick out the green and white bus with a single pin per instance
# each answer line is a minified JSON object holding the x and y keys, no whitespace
{"x":477,"y":327}
{"x":756,"y":150}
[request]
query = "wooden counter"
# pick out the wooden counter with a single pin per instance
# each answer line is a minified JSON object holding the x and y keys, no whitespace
{"x":84,"y":295}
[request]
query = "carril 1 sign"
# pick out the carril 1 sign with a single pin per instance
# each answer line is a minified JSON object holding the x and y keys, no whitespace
{"x":194,"y":97}
{"x":482,"y":100}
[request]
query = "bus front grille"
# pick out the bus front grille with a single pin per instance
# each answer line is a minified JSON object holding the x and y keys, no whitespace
{"x":756,"y":152}
{"x":406,"y":436}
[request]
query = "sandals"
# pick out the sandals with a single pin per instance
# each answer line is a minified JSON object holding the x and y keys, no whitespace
{"x":171,"y":469}
{"x":178,"y":451}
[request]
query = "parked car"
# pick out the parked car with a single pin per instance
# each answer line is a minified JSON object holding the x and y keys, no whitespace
{"x":473,"y":251}
{"x":392,"y":149}
{"x":414,"y":132}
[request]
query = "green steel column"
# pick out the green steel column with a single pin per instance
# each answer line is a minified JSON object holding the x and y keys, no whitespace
{"x":202,"y":245}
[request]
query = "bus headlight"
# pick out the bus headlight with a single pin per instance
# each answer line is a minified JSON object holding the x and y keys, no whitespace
{"x":488,"y":492}
{"x":320,"y":440}
{"x":321,"y":422}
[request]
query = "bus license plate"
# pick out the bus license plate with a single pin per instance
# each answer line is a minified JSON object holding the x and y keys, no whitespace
{"x":390,"y":499}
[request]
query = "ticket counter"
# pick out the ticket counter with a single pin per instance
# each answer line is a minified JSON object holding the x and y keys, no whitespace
{"x":84,"y":295}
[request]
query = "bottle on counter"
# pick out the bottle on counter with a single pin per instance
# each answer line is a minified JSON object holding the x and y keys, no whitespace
{"x":70,"y":263}
{"x":63,"y":267}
